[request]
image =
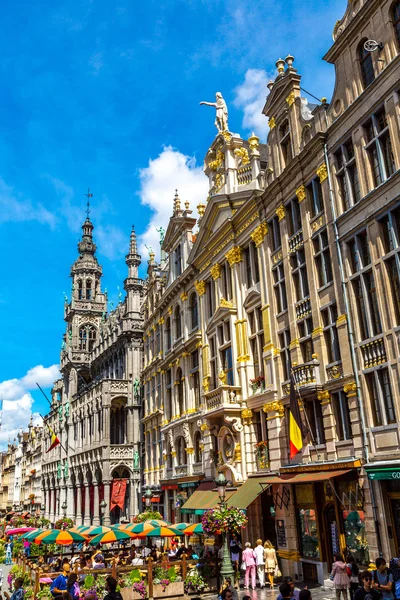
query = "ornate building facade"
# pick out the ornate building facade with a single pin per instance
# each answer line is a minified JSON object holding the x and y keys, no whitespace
{"x":96,"y":404}
{"x":291,"y":270}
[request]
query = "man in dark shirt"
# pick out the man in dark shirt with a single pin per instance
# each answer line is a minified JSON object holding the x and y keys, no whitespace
{"x":366,"y":592}
{"x":111,"y":586}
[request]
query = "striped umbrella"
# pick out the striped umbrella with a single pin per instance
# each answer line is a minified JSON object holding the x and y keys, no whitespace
{"x":115,"y":535}
{"x":157,"y":523}
{"x":180,"y":526}
{"x":196,"y":528}
{"x":61,"y":537}
{"x":94,"y":530}
{"x":163,"y":532}
{"x":33,"y":534}
{"x":138,"y":527}
{"x":19,"y":530}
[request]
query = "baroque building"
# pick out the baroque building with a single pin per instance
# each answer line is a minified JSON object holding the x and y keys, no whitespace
{"x":96,"y":404}
{"x":292,"y":271}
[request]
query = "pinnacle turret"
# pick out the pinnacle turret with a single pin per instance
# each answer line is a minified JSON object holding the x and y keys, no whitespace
{"x":133,"y":259}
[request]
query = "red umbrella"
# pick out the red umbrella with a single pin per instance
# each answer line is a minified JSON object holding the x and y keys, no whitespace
{"x":18,"y":530}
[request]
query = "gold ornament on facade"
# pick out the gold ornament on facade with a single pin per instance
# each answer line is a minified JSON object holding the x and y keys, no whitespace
{"x":215,"y":271}
{"x":272,"y":123}
{"x":238,"y":453}
{"x":274,"y":407}
{"x":259,"y":234}
{"x":184,"y":296}
{"x":243,"y":154}
{"x":317,"y":224}
{"x":218,"y":162}
{"x":201,"y":209}
{"x":322,"y":172}
{"x":201,"y":287}
{"x":280,"y":211}
{"x":324,"y":396}
{"x":335,"y":372}
{"x":247,"y":415}
{"x":204,"y":427}
{"x":173,"y":454}
{"x":227,"y":135}
{"x":206,"y":384}
{"x":170,"y":309}
{"x":189,"y":450}
{"x":350,"y":389}
{"x":161,"y":321}
{"x":234,"y":256}
{"x":254,"y":142}
{"x":225,"y":303}
{"x":218,"y":182}
{"x":223,"y":377}
{"x":301,"y":193}
{"x":290,"y":99}
{"x":341,"y":320}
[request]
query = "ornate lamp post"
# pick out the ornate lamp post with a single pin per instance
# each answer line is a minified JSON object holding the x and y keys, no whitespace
{"x":64,"y":507}
{"x":226,"y":565}
{"x":103,"y":506}
{"x":147,"y":497}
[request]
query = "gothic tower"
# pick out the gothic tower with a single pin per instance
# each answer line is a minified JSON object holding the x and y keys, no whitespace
{"x":132,"y":284}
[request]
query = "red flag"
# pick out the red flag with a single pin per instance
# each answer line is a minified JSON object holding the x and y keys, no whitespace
{"x":54,"y":439}
{"x":118,"y":493}
{"x":295,"y":429}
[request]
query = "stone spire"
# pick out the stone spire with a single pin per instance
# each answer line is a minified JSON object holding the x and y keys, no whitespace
{"x":132,"y":284}
{"x":133,"y":259}
{"x":177,"y":205}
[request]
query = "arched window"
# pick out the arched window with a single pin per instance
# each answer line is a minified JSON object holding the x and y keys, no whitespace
{"x":194,"y":312}
{"x":197,"y":449}
{"x":366,"y":64}
{"x":178,"y":323}
{"x":396,"y":21}
{"x":179,"y":391}
{"x":80,"y":289}
{"x":118,"y":422}
{"x":169,"y":456}
{"x":181,"y":451}
{"x":87,"y":337}
{"x":88,"y":289}
{"x":168,"y":333}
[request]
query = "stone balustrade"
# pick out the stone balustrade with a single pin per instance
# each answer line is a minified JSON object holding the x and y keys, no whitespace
{"x":295,"y":241}
{"x":373,"y":353}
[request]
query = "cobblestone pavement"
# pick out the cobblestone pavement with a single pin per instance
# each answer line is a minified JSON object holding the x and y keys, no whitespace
{"x":318,"y":593}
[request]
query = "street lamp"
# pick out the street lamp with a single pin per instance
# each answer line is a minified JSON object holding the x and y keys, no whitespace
{"x":226,"y":566}
{"x":147,"y":497}
{"x":64,"y":506}
{"x":103,"y":506}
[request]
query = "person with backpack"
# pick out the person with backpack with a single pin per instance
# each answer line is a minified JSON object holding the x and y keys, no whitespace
{"x":365,"y":592}
{"x":341,"y":581}
{"x":353,"y":573}
{"x":382,"y":580}
{"x":394,"y":567}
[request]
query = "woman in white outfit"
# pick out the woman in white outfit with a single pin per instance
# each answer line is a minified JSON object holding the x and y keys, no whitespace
{"x":260,"y":562}
{"x":270,"y":562}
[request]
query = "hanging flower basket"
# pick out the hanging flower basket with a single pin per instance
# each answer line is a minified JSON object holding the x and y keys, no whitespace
{"x":148,"y":515}
{"x":257,"y":384}
{"x":218,"y":520}
{"x":64,"y":523}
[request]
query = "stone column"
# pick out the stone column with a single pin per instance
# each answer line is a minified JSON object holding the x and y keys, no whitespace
{"x":96,"y":507}
{"x":86,"y":516}
{"x":79,"y":505}
{"x":106,"y":518}
{"x":50,"y":512}
{"x":57,"y":503}
{"x":70,"y":502}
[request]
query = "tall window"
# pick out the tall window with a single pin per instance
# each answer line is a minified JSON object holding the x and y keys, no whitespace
{"x":379,"y":147}
{"x":88,"y":289}
{"x":329,"y":318}
{"x":194,"y":311}
{"x":284,"y":344}
{"x":314,"y":194}
{"x":275,"y":229}
{"x":181,"y":451}
{"x":195,"y":378}
{"x":226,"y":281}
{"x":118,"y":423}
{"x":178,"y":260}
{"x":87,"y":337}
{"x":286,"y":148}
{"x":396,"y":21}
{"x":342,"y":416}
{"x":305,"y":339}
{"x":315,"y":421}
{"x":158,"y":339}
{"x":210,"y":296}
{"x":178,"y":323}
{"x":179,"y":392}
{"x":381,"y":397}
{"x":80,"y":289}
{"x":279,"y":287}
{"x":293,"y":216}
{"x":168,"y":398}
{"x":299,"y":272}
{"x":168,"y":334}
{"x":251,"y":264}
{"x":366,"y":64}
{"x":322,"y":257}
{"x":390,"y":227}
{"x":213,"y":363}
{"x":256,"y":340}
{"x":197,"y":448}
{"x":225,"y":351}
{"x":347,"y":175}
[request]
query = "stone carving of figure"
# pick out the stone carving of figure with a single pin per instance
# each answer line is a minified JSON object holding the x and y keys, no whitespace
{"x":136,"y":387}
{"x":66,"y":470}
{"x":60,"y":415}
{"x":136,"y":460}
{"x":221,"y":117}
{"x":59,"y":470}
{"x":70,"y":334}
{"x":63,"y":344}
{"x":161,"y":231}
{"x":66,"y":409}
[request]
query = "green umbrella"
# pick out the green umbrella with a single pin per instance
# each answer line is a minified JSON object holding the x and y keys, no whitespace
{"x":61,"y":537}
{"x":164,"y":532}
{"x":92,"y":531}
{"x":114,"y":535}
{"x":138,"y":527}
{"x":180,"y":526}
{"x":195,"y":529}
{"x":33,"y":534}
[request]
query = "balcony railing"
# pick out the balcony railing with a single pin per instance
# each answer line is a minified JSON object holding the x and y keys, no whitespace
{"x":295,"y":241}
{"x":303,"y":308}
{"x":373,"y":353}
{"x":121,"y":451}
{"x":307,"y":374}
{"x":222,"y":396}
{"x":181,"y":470}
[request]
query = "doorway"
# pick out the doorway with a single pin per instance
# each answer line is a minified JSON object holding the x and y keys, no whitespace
{"x":332,"y":530}
{"x":395,"y":505}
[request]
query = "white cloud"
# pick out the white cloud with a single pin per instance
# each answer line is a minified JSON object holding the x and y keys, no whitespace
{"x":111,"y":241}
{"x":15,"y":208}
{"x":18,"y":401}
{"x":169,"y":171}
{"x":250,"y":98}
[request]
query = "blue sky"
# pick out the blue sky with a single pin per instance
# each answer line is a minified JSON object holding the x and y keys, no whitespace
{"x":107,"y":95}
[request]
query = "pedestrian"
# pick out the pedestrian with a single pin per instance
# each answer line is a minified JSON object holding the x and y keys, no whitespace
{"x":365,"y":592}
{"x":341,"y":581}
{"x":235,"y":548}
{"x":9,"y":552}
{"x":260,"y":562}
{"x":111,"y":587}
{"x":294,"y":594}
{"x":394,"y":567}
{"x":27,"y":548}
{"x":382,"y":580}
{"x":73,"y":586}
{"x":285,"y":591}
{"x":271,"y":562}
{"x":18,"y":593}
{"x":59,"y":584}
{"x":249,"y":559}
{"x":353,"y":573}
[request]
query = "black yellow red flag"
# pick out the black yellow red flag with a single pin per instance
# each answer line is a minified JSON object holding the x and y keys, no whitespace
{"x":295,"y":428}
{"x":54,"y":439}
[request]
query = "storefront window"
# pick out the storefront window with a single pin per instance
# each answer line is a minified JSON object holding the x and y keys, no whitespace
{"x":308,"y":533}
{"x":356,"y":539}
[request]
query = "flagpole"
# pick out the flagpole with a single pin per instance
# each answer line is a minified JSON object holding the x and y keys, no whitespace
{"x":305,"y":414}
{"x":61,"y":444}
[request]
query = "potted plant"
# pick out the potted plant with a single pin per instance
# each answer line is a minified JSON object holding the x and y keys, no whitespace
{"x":257,"y":384}
{"x":64,"y":523}
{"x":194,"y":583}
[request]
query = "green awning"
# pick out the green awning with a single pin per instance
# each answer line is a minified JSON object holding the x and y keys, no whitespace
{"x":201,"y":500}
{"x":383,"y":472}
{"x":247,"y":492}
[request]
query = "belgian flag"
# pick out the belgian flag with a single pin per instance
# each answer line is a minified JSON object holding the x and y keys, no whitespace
{"x":54,"y":439}
{"x":295,"y":428}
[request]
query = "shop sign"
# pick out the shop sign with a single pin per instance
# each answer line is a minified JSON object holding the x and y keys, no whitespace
{"x":393,"y":473}
{"x":335,"y":466}
{"x":281,"y":533}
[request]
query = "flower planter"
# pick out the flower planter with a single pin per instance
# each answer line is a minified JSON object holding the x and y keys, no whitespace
{"x":173,"y":590}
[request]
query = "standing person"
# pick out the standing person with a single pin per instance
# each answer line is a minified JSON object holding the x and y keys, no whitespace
{"x":235,"y":548}
{"x":260,"y":562}
{"x":249,"y":558}
{"x":365,"y":592}
{"x":382,"y":580}
{"x":27,"y":548}
{"x":270,"y":562}
{"x":73,"y":586}
{"x":9,"y":553}
{"x":394,"y":567}
{"x":18,"y":593}
{"x":59,"y":584}
{"x":341,"y":581}
{"x":353,"y":572}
